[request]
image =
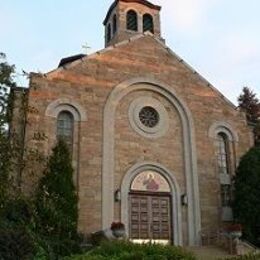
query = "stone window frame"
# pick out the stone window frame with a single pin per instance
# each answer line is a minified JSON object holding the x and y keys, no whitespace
{"x":149,"y":132}
{"x":68,"y":138}
{"x":232,"y":139}
{"x":134,"y":12}
{"x":223,"y":153}
{"x":79,"y":115}
{"x":147,"y":16}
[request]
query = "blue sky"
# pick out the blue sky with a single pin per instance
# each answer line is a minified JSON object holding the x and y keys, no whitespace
{"x":219,"y":38}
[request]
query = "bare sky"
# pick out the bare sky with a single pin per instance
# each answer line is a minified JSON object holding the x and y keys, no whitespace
{"x":219,"y":38}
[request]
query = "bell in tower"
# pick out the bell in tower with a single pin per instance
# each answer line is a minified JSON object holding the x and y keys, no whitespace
{"x":126,"y":18}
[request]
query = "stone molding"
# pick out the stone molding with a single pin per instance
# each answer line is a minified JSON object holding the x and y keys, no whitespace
{"x":65,"y":104}
{"x":108,"y":166}
{"x":223,"y":127}
{"x":155,"y":132}
{"x":79,"y":115}
{"x":175,"y":196}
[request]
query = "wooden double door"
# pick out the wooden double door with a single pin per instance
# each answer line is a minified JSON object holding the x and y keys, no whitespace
{"x":150,"y":217}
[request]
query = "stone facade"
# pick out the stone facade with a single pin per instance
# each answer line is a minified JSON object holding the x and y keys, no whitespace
{"x":99,"y":89}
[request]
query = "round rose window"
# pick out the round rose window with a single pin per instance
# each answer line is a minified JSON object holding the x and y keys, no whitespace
{"x":149,"y":117}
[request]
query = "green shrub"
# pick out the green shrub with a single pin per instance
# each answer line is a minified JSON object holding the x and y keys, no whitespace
{"x":122,"y":250}
{"x":56,"y":205}
{"x":247,"y":195}
{"x":16,"y":243}
{"x":245,"y":257}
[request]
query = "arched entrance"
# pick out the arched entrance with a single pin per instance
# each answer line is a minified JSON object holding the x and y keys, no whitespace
{"x":190,"y":167}
{"x":150,"y":212}
{"x":150,"y":204}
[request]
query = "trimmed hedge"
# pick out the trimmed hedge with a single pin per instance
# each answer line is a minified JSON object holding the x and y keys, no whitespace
{"x":122,"y":250}
{"x":245,"y":257}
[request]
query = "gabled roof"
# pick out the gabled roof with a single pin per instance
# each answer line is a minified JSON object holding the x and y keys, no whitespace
{"x":143,"y":2}
{"x":134,"y":38}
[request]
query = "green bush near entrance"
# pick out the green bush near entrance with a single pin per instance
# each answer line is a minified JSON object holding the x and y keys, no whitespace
{"x":245,"y":257}
{"x":123,"y":250}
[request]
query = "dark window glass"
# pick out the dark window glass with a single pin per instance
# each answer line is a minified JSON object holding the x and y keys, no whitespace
{"x":131,"y":21}
{"x":226,"y":195}
{"x":114,"y":24}
{"x":148,"y":23}
{"x":109,"y":33}
{"x":222,"y":153}
{"x":149,"y":117}
{"x":65,"y":125}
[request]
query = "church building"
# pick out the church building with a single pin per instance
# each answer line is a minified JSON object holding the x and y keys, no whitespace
{"x":154,"y":145}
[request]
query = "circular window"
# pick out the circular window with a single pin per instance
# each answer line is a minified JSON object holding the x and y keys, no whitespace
{"x":149,"y":117}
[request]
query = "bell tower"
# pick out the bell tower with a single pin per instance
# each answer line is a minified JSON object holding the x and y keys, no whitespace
{"x":126,"y":18}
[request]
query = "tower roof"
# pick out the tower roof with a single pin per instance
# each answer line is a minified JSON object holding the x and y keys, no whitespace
{"x":143,"y":2}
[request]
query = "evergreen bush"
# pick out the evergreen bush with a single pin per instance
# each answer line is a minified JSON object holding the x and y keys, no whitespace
{"x":247,"y":195}
{"x":56,"y":204}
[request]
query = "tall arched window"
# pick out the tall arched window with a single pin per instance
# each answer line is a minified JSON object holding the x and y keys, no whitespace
{"x":131,"y":21}
{"x":148,"y":23}
{"x":114,"y":24}
{"x":223,"y":156}
{"x":109,"y":33}
{"x":65,"y":126}
{"x":223,"y":159}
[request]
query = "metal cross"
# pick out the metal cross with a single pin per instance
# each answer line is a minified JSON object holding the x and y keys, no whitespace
{"x":86,"y":47}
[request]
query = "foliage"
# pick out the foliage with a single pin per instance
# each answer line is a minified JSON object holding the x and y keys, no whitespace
{"x":128,"y":251}
{"x":247,"y":195}
{"x":6,"y":83}
{"x":249,"y":103}
{"x":15,"y":239}
{"x":245,"y":257}
{"x":16,"y":244}
{"x":56,"y":204}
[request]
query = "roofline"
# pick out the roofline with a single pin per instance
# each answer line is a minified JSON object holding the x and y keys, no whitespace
{"x":136,"y":37}
{"x":143,"y":2}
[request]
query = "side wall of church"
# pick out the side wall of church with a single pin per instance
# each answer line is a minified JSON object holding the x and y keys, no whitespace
{"x":89,"y":83}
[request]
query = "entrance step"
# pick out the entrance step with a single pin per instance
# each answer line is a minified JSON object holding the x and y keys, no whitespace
{"x":209,"y":252}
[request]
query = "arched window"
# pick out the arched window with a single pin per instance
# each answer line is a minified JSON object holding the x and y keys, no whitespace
{"x":109,"y":33}
{"x":114,"y":24}
{"x":65,"y":126}
{"x":131,"y":21}
{"x":148,"y":23}
{"x":223,"y":160}
{"x":223,"y":156}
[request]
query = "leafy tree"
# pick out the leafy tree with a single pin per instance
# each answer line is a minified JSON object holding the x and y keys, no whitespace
{"x":249,"y":103}
{"x":6,"y":83}
{"x":56,"y":203}
{"x":247,"y":195}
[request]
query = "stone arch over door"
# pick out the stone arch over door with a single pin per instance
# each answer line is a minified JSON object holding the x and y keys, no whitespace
{"x":150,"y":84}
{"x":174,"y":191}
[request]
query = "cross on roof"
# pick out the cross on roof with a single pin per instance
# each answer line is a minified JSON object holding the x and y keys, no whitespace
{"x":86,"y":47}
